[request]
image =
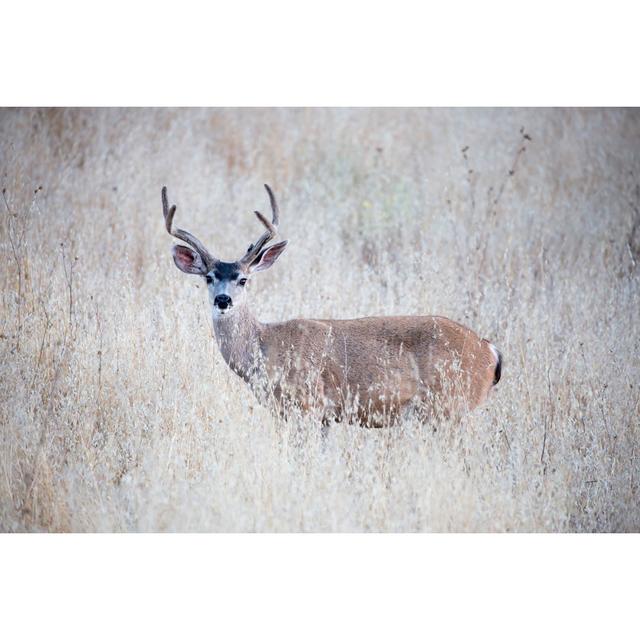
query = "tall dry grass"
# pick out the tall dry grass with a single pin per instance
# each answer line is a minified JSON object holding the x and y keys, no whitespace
{"x":118,"y":414}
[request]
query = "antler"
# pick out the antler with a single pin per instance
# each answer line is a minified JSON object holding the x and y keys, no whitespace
{"x":183,"y":235}
{"x":272,"y":229}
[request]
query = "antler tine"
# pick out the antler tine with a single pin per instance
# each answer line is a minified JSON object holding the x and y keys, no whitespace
{"x":168,"y":213}
{"x":181,"y":234}
{"x":271,"y":232}
{"x":274,"y":206}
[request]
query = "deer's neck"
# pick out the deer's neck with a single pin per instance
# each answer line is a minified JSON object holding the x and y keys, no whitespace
{"x":238,"y":337}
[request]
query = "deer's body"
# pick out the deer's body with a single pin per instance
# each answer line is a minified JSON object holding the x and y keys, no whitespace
{"x":374,"y":366}
{"x":369,"y":368}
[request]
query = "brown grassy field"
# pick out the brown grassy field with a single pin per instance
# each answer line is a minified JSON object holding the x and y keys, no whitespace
{"x":117,"y":412}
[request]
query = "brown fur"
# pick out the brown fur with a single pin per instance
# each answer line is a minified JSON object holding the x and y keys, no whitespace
{"x":370,"y":368}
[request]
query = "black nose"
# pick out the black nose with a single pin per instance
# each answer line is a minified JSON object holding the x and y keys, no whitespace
{"x":222,"y":301}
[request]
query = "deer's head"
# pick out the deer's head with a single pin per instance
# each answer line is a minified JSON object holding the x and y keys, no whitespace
{"x":226,"y":281}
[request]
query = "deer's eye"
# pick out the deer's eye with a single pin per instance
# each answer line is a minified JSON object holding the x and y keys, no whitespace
{"x":242,"y":282}
{"x":209,"y":279}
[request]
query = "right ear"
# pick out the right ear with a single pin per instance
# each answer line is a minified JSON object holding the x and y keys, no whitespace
{"x":188,"y":260}
{"x":268,"y":256}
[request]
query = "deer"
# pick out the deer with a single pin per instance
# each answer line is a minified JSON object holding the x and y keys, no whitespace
{"x":369,"y":370}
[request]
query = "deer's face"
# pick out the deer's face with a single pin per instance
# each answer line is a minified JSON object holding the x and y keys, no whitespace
{"x":226,"y":281}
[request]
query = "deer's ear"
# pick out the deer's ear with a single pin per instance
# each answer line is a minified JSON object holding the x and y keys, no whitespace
{"x":268,"y":256}
{"x":188,"y":260}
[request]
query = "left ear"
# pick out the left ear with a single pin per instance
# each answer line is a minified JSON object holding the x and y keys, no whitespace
{"x":268,"y":257}
{"x":188,"y":260}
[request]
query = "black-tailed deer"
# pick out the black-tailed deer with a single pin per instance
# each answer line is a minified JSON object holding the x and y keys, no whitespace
{"x":369,"y":368}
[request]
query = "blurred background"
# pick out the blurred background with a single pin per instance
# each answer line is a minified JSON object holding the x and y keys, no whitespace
{"x":118,"y":413}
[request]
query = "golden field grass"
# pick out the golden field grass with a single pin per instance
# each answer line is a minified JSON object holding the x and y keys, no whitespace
{"x":117,"y":412}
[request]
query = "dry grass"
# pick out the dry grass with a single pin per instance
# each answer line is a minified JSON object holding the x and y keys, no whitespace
{"x":118,"y":414}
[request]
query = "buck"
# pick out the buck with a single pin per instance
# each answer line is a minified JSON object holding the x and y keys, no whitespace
{"x":371,"y":369}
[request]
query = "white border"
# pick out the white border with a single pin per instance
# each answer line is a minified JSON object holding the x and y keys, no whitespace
{"x":319,"y":586}
{"x":338,"y":52}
